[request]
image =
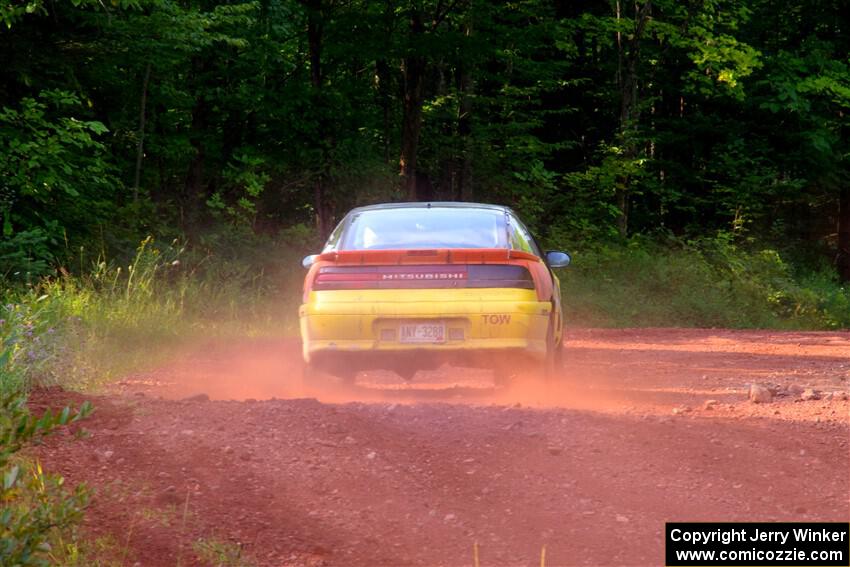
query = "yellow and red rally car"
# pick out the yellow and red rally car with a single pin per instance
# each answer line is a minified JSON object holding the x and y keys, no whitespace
{"x":409,"y":286}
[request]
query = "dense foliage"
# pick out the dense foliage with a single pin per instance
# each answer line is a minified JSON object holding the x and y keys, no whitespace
{"x":34,"y":504}
{"x":598,"y":120}
{"x":699,"y":283}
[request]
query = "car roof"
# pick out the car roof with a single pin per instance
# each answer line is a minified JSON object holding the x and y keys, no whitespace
{"x":431,"y":205}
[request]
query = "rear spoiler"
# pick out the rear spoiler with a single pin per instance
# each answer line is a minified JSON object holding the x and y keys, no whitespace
{"x":430,"y":256}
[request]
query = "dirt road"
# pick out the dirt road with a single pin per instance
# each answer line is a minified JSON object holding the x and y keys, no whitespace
{"x":381,"y":474}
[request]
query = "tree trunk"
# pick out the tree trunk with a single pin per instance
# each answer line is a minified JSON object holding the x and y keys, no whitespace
{"x":382,"y":72}
{"x":843,"y":258}
{"x":323,"y":210}
{"x":314,"y":40}
{"x":619,"y":35}
{"x":464,"y":127}
{"x":627,"y":61}
{"x":195,"y":192}
{"x":413,"y":76}
{"x":315,"y":29}
{"x":140,"y":146}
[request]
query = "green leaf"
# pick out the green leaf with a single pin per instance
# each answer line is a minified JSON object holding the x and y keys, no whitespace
{"x":10,"y":477}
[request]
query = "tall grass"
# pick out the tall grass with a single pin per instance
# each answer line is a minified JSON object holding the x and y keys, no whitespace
{"x":160,"y":293}
{"x":81,"y":330}
{"x":707,"y":283}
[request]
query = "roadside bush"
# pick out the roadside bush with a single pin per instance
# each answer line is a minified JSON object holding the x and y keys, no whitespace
{"x":58,"y":181}
{"x":35,"y":508}
{"x":25,"y":255}
{"x":35,"y":505}
{"x":31,"y":338}
{"x":699,"y":283}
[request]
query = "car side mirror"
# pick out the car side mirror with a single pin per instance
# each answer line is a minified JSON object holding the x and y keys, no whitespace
{"x":309,"y":260}
{"x":557,"y":259}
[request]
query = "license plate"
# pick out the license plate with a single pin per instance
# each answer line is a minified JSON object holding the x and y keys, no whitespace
{"x":422,"y":333}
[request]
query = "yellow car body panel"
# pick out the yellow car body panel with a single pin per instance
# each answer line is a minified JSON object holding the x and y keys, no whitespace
{"x":475,"y":319}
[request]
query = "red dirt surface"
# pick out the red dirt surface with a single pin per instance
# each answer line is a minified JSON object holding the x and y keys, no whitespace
{"x":387,"y":473}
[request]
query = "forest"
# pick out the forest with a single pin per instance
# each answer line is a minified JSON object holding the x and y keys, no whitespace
{"x":598,"y":121}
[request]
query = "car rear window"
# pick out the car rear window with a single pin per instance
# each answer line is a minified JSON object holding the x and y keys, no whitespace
{"x":418,"y":228}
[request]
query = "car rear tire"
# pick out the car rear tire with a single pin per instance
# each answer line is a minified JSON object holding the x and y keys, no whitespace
{"x":503,"y":376}
{"x":556,"y":365}
{"x":548,"y":369}
{"x":309,"y":374}
{"x":553,"y":364}
{"x":313,"y":376}
{"x":547,"y":366}
{"x":406,"y":373}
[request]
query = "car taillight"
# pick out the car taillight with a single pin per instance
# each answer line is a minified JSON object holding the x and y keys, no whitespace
{"x":329,"y":278}
{"x":495,"y":275}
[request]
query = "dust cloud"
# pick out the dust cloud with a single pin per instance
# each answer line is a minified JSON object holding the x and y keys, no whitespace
{"x":272,"y":369}
{"x":646,"y":371}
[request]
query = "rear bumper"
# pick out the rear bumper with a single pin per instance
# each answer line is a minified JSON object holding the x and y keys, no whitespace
{"x":484,"y":326}
{"x":342,"y":363}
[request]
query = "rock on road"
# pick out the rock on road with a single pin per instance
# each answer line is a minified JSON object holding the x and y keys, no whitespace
{"x":646,"y":426}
